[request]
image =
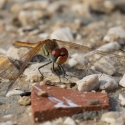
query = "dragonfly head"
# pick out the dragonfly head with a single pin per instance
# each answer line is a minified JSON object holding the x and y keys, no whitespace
{"x":59,"y":55}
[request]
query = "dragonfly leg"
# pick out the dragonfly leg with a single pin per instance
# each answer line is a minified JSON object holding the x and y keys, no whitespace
{"x":43,"y":66}
{"x":64,"y":72}
{"x":53,"y":70}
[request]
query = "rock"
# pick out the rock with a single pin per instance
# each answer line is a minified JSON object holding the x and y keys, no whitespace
{"x":16,"y":8}
{"x":3,"y":51}
{"x":17,"y":53}
{"x":115,"y":34}
{"x":44,"y":35}
{"x":107,"y":82}
{"x":109,"y":5}
{"x":110,"y":117}
{"x":33,"y":15}
{"x":8,"y":116}
{"x":25,"y":100}
{"x":49,"y":123}
{"x":69,"y":121}
{"x":119,"y":121}
{"x":104,"y":65}
{"x":62,"y":34}
{"x":53,"y":7}
{"x":32,"y":72}
{"x":2,"y":3}
{"x":122,"y":99}
{"x":81,"y":8}
{"x":7,"y":123}
{"x":14,"y":93}
{"x":122,"y":81}
{"x":38,"y":5}
{"x":88,"y":83}
{"x":100,"y":6}
{"x":110,"y":47}
{"x":77,"y":59}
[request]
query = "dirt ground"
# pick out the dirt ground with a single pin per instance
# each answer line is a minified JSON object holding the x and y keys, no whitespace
{"x":28,"y":20}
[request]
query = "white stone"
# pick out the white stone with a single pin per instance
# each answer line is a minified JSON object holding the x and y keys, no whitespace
{"x":49,"y":123}
{"x":82,"y":9}
{"x":69,"y":121}
{"x":36,"y":4}
{"x":2,"y":3}
{"x":44,"y":35}
{"x":119,"y":121}
{"x":88,"y":83}
{"x":110,"y":47}
{"x":122,"y":81}
{"x":122,"y":99}
{"x":8,"y":116}
{"x":62,"y":34}
{"x":110,"y":117}
{"x":109,"y":5}
{"x":17,"y":53}
{"x":14,"y":93}
{"x":77,"y":59}
{"x":115,"y":34}
{"x":6,"y":123}
{"x":16,"y":8}
{"x":104,"y":65}
{"x":3,"y":51}
{"x":25,"y":100}
{"x":33,"y":74}
{"x":29,"y":17}
{"x":107,"y":82}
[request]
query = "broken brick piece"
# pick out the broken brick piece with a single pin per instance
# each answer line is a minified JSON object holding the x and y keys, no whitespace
{"x":64,"y":102}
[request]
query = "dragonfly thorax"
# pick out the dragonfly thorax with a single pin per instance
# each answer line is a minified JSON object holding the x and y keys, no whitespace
{"x":59,"y":55}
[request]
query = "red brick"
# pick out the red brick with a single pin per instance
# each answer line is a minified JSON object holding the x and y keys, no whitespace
{"x":44,"y":109}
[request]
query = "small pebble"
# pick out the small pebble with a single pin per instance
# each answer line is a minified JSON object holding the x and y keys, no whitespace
{"x":77,"y":59}
{"x":69,"y":121}
{"x":7,"y":123}
{"x":122,"y":81}
{"x":25,"y":100}
{"x":104,"y":65}
{"x":93,"y":102}
{"x":32,"y":73}
{"x":122,"y":99}
{"x":8,"y":116}
{"x":115,"y":34}
{"x":62,"y":34}
{"x":14,"y":93}
{"x":2,"y":3}
{"x":110,"y":47}
{"x":82,"y":9}
{"x":33,"y":15}
{"x":17,"y":53}
{"x":42,"y":94}
{"x":110,"y":117}
{"x":107,"y":82}
{"x":25,"y":94}
{"x":88,"y":83}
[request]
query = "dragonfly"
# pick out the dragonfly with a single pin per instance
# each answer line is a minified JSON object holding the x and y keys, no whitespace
{"x":56,"y":51}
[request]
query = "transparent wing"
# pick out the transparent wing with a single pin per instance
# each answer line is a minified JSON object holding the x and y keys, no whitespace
{"x":10,"y":69}
{"x":117,"y":57}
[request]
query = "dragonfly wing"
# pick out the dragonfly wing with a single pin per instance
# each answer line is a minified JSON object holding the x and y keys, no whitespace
{"x":73,"y":47}
{"x":117,"y":57}
{"x":10,"y":71}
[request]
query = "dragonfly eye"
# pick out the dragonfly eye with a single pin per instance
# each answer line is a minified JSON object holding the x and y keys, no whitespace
{"x":59,"y":55}
{"x":56,"y":52}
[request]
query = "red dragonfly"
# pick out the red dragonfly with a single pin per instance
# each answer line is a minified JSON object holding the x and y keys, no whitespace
{"x":49,"y":49}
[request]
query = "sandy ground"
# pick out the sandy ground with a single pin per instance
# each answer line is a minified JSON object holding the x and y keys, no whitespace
{"x":88,"y":24}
